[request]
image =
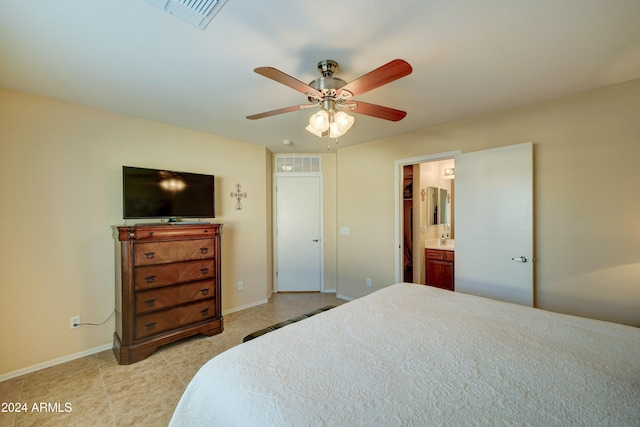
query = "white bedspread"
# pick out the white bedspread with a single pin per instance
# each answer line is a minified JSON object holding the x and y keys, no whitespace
{"x":413,"y":355}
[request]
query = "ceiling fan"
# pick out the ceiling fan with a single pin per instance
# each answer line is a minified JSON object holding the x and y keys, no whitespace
{"x":334,"y":96}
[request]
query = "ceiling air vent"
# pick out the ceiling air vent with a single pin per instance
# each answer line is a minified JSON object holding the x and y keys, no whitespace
{"x":196,"y":12}
{"x":297,"y":164}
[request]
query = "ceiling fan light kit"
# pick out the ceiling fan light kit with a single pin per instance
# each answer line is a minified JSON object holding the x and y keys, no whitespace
{"x":341,"y":123}
{"x":318,"y":123}
{"x":333,"y":95}
{"x":332,"y":123}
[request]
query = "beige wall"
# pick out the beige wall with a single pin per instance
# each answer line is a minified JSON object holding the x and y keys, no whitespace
{"x":60,"y":191}
{"x":587,"y":175}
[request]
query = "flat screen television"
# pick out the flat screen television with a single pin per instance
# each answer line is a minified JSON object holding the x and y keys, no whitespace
{"x":164,"y":194}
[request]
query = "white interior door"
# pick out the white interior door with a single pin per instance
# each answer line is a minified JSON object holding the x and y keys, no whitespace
{"x":298,"y":234}
{"x":494,"y":223}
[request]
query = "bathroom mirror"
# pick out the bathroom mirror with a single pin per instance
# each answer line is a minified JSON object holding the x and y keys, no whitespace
{"x":437,"y":205}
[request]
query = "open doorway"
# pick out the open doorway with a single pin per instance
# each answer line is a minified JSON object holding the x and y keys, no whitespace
{"x":410,"y":222}
{"x":425,"y":209}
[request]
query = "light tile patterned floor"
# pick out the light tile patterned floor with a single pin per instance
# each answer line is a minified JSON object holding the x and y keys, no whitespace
{"x":99,"y":392}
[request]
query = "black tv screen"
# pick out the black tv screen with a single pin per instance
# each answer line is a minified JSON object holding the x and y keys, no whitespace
{"x":153,"y":193}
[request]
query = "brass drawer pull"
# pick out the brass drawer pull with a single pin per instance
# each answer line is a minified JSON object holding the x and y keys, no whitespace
{"x":204,"y":312}
{"x":150,"y":326}
{"x":204,"y":250}
{"x":150,"y":302}
{"x":150,"y":279}
{"x":204,"y":291}
{"x":204,"y":270}
{"x":150,"y":255}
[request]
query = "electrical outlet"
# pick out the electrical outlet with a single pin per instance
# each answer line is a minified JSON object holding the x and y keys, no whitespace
{"x":74,"y":322}
{"x":240,"y":285}
{"x":369,"y":281}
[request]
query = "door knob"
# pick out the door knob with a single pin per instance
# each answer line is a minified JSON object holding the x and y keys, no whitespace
{"x":520,"y":259}
{"x":316,"y":240}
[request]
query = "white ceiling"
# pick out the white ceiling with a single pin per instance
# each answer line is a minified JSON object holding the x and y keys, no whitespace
{"x":469,"y":57}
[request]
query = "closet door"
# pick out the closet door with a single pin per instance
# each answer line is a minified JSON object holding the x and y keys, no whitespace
{"x":494,"y":223}
{"x":298,"y":234}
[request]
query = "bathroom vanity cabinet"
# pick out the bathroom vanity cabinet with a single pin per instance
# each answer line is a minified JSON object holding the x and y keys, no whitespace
{"x":439,"y":268}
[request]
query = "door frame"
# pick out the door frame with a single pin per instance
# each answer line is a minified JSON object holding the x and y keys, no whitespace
{"x":276,"y":175}
{"x":398,"y":176}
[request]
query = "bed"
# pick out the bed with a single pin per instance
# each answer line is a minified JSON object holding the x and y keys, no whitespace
{"x":415,"y":355}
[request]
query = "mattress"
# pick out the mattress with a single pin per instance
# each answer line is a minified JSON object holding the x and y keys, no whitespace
{"x":415,"y":355}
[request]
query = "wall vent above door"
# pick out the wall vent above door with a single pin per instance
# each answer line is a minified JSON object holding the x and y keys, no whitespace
{"x":196,"y":12}
{"x":299,"y":164}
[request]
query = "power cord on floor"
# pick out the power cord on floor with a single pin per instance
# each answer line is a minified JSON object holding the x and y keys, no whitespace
{"x":98,"y":324}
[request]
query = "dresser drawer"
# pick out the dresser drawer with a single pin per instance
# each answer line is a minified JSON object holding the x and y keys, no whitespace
{"x":165,"y":252}
{"x":158,"y":299}
{"x":156,"y":323}
{"x":170,"y":274}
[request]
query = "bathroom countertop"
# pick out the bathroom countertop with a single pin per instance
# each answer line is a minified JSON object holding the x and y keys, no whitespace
{"x":435,"y":244}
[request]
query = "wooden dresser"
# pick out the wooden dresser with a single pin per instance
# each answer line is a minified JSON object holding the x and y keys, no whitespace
{"x":439,"y":268}
{"x":167,"y":286}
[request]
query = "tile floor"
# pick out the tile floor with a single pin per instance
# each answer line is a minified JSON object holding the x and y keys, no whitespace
{"x":96,"y":391}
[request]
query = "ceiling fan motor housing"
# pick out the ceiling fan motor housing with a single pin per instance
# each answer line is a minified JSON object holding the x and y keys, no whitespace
{"x":327,"y":85}
{"x":327,"y":67}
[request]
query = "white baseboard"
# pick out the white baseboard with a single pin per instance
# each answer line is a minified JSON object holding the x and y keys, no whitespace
{"x":70,"y":357}
{"x":64,"y":359}
{"x":244,"y":307}
{"x":54,"y":362}
{"x":344,"y":297}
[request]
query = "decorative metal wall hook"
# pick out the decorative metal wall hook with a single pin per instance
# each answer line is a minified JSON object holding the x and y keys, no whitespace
{"x":238,"y":195}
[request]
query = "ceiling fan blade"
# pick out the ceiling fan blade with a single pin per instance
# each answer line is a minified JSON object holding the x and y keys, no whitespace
{"x":376,"y":111}
{"x":380,"y":76}
{"x":285,"y":79}
{"x":280,"y":111}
